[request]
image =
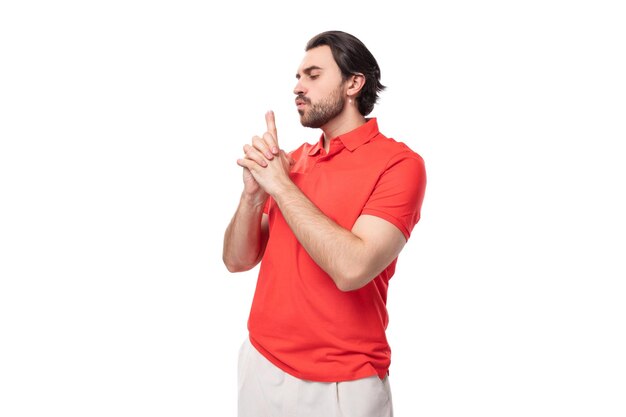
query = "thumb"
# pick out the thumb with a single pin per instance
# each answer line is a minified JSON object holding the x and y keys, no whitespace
{"x":287,"y":157}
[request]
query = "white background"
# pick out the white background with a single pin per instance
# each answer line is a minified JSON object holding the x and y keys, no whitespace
{"x":120,"y":125}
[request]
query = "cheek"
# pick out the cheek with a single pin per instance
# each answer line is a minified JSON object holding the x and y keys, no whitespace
{"x":313,"y":97}
{"x":319,"y":94}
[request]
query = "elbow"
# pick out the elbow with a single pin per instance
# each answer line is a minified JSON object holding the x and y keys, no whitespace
{"x":351,"y":282}
{"x":232,"y":268}
{"x":345,"y":286}
{"x":235,"y":266}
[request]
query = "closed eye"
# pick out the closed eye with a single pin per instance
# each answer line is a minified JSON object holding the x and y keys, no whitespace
{"x":311,"y":72}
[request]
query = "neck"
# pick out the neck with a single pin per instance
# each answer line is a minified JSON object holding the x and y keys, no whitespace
{"x":341,"y":125}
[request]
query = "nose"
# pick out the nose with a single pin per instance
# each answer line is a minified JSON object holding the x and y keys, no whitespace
{"x":299,"y":88}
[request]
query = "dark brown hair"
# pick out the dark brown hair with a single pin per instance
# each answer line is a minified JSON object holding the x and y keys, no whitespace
{"x":353,"y":57}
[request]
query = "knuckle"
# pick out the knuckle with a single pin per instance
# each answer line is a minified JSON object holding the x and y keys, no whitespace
{"x":259,"y":143}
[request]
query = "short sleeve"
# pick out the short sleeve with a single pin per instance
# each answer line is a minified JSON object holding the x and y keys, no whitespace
{"x":399,"y":192}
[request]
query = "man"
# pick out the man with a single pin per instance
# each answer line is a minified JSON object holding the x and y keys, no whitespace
{"x":327,"y":223}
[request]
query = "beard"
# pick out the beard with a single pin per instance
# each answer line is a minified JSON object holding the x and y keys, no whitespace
{"x":320,"y":113}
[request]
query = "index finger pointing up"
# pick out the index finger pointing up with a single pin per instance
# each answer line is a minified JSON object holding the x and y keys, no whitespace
{"x":271,"y":128}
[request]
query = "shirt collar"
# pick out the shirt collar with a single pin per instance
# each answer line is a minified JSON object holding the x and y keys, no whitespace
{"x":352,"y":139}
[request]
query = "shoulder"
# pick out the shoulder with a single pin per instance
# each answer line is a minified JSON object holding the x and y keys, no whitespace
{"x":394,"y":151}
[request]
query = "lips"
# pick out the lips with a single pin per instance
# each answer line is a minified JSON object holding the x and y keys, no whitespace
{"x":301,"y":102}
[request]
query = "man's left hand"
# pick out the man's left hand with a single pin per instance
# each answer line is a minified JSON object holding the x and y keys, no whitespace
{"x":268,"y":165}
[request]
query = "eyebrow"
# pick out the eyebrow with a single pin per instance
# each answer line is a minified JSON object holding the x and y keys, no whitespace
{"x":308,"y":70}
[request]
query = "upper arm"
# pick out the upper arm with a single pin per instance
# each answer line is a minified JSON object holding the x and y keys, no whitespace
{"x":389,"y":215}
{"x":381,"y":244}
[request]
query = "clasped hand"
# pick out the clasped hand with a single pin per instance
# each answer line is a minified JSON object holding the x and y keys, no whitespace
{"x":265,"y":161}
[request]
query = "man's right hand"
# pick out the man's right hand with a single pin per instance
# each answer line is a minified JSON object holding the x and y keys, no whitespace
{"x":252,"y":190}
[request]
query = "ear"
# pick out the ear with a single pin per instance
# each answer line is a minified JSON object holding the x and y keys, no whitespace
{"x":355,"y":84}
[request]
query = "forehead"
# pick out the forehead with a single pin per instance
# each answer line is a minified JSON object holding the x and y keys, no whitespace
{"x":320,"y":56}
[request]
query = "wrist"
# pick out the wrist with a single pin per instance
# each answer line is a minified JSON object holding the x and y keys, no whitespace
{"x":284,"y":191}
{"x":282,"y":187}
{"x":254,"y":201}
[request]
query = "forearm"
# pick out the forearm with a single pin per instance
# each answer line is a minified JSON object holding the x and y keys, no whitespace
{"x":244,"y":239}
{"x":339,"y":252}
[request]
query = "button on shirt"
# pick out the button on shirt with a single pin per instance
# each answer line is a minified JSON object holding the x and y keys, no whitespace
{"x":299,"y":319}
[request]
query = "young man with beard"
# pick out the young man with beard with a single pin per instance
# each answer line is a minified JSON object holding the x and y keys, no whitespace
{"x":327,"y":223}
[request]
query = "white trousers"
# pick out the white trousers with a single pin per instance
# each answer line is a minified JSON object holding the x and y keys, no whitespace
{"x":267,"y":391}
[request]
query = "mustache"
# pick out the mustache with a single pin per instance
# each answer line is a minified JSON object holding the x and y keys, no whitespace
{"x":303,"y":98}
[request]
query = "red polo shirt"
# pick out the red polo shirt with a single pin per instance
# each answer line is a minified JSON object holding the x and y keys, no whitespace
{"x":299,"y":319}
